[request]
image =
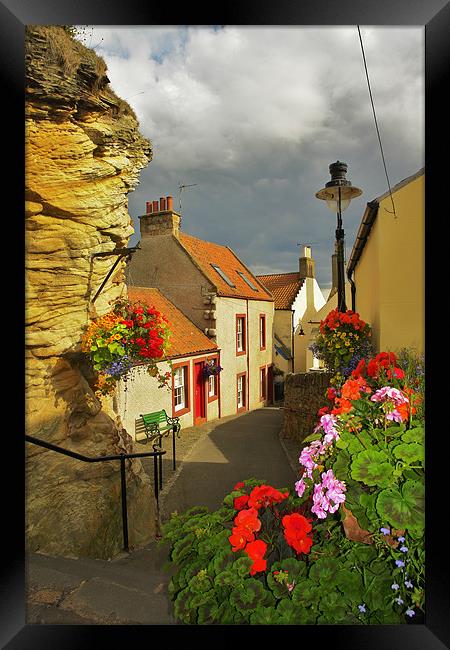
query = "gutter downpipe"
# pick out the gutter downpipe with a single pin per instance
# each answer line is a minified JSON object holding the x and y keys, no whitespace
{"x":362,"y":235}
{"x":293,"y":340}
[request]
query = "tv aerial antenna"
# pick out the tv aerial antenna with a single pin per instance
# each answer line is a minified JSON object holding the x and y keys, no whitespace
{"x":181,"y":187}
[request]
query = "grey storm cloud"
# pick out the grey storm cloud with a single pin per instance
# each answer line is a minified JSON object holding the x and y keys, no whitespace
{"x":254,"y":116}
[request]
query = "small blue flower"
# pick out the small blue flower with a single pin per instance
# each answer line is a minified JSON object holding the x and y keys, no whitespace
{"x":401,"y":539}
{"x":404,"y":549}
{"x":410,"y":612}
{"x":362,"y":608}
{"x":399,"y":563}
{"x":409,"y":584}
{"x":385,"y":531}
{"x":399,"y":601}
{"x":395,"y":586}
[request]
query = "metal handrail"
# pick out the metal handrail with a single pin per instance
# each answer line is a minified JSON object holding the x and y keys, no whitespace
{"x":98,"y":459}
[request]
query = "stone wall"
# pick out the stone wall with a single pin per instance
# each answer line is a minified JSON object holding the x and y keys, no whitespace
{"x":84,"y":153}
{"x":304,"y":395}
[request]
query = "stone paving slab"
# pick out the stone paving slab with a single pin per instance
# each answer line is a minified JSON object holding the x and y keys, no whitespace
{"x":110,"y":603}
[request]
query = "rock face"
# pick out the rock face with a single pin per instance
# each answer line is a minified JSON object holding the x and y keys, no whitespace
{"x":83,"y":156}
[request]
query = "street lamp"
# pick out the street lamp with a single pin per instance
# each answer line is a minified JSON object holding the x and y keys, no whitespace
{"x":338,"y":193}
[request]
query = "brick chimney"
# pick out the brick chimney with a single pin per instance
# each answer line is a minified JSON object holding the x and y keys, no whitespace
{"x":306,"y":263}
{"x":160,"y":218}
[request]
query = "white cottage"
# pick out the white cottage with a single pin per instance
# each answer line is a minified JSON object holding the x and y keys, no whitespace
{"x":190,"y":396}
{"x":298,"y":298}
{"x":219,"y":294}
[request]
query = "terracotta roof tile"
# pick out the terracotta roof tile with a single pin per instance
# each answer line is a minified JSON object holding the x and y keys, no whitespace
{"x":283,"y":286}
{"x":206,"y":253}
{"x":186,"y":337}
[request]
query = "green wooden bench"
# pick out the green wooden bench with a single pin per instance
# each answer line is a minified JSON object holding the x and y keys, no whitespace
{"x":154,"y":427}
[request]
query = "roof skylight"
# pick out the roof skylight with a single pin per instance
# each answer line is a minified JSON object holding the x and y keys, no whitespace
{"x":223,"y":275}
{"x":250,"y":284}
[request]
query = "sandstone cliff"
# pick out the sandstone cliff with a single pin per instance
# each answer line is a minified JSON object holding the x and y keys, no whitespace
{"x":84,"y":153}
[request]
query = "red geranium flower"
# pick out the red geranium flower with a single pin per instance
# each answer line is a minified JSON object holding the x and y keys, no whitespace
{"x":248,"y":519}
{"x":239,"y":538}
{"x":255,"y":550}
{"x":240,"y":502}
{"x":358,"y":371}
{"x":296,"y":529}
{"x":239,"y":485}
{"x":265,"y":495}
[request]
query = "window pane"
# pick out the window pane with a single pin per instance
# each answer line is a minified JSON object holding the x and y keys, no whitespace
{"x":250,"y":284}
{"x":212,"y":385}
{"x":223,"y":275}
{"x":240,"y":326}
{"x":178,"y":377}
{"x":179,"y":388}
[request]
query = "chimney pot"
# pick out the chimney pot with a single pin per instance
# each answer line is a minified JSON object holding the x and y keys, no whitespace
{"x":169,"y":203}
{"x":155,"y":206}
{"x":148,"y":207}
{"x":162,"y":203}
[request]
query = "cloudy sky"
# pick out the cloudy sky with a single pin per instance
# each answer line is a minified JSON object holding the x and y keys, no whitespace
{"x":255,"y":115}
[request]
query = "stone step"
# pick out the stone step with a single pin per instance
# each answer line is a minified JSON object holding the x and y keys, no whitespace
{"x":129,"y":590}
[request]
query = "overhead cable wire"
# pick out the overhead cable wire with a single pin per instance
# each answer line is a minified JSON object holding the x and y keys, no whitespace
{"x":375,"y":119}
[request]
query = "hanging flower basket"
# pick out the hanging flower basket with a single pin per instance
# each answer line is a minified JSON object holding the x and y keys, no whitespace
{"x":211,"y":368}
{"x":130,"y":334}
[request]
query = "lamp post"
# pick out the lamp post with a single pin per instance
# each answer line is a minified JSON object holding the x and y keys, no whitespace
{"x":338,"y":193}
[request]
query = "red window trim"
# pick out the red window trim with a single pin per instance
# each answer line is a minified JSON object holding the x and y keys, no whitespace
{"x":244,"y":335}
{"x":244,"y":386}
{"x":187,"y":377}
{"x":214,"y":397}
{"x":263,"y":397}
{"x":262,"y":317}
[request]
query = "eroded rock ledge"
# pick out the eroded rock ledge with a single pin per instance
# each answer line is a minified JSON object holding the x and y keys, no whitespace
{"x":84,"y":154}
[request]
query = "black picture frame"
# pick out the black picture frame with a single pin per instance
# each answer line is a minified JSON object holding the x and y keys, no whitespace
{"x":434,"y":15}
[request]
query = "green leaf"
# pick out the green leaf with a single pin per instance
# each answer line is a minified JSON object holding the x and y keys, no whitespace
{"x":342,"y":443}
{"x":249,"y":596}
{"x":288,"y":612}
{"x":361,"y":554}
{"x":403,"y":509}
{"x":417,"y":434}
{"x":409,"y":452}
{"x":367,"y":501}
{"x":351,"y":585}
{"x":182,"y":548}
{"x":306,"y":592}
{"x":341,"y":465}
{"x":265,"y":616}
{"x":325,"y":570}
{"x":208,"y":613}
{"x":228,"y":578}
{"x":312,"y":437}
{"x":371,"y":467}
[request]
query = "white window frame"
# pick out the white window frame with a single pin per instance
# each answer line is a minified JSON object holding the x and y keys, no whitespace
{"x":240,"y":333}
{"x":240,"y":392}
{"x":211,"y":385}
{"x":179,"y":387}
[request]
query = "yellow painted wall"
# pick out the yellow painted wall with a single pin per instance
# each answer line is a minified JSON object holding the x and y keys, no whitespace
{"x":390,"y":275}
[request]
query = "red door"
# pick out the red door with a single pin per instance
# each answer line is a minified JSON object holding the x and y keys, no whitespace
{"x":199,"y":394}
